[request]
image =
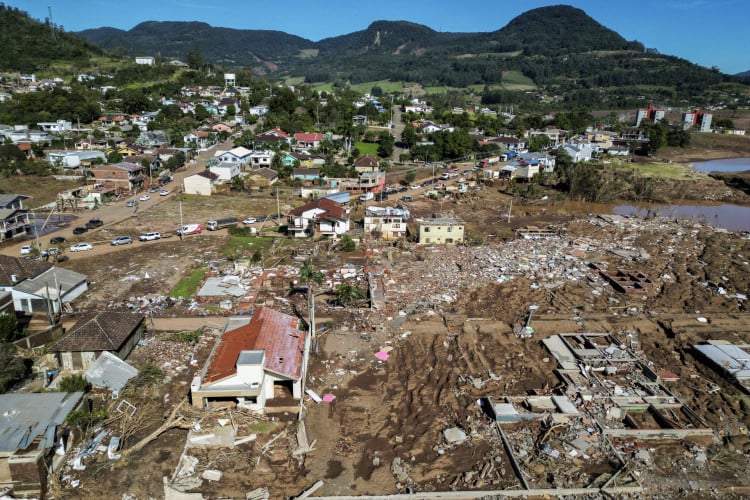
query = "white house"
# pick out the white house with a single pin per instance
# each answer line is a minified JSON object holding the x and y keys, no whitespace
{"x":201,"y":183}
{"x":147,"y":60}
{"x":261,"y":159}
{"x":251,"y":360}
{"x":389,"y":222}
{"x":38,"y":287}
{"x":56,"y":127}
{"x":579,"y":152}
{"x":226,"y":171}
{"x":321,"y":216}
{"x":239,"y":154}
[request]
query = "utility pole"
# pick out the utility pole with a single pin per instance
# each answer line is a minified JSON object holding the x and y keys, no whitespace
{"x":181,"y":225}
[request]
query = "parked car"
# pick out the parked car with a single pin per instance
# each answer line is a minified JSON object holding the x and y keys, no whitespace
{"x":154,"y":189}
{"x":403,"y":189}
{"x":164,"y":192}
{"x":407,"y":198}
{"x":121,"y":240}
{"x":153,"y":235}
{"x":26,"y":250}
{"x":57,"y":240}
{"x":278,"y":216}
{"x":145,"y":197}
{"x":94,"y":223}
{"x":250,"y":220}
{"x":80,"y":230}
{"x":81,"y":247}
{"x":131,"y":203}
{"x":415,"y":186}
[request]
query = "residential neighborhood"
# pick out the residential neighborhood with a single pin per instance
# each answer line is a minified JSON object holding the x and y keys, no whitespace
{"x":235,"y":282}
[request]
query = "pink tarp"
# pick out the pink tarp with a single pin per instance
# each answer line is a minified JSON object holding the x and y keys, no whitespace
{"x":328,"y":397}
{"x":382,"y":356}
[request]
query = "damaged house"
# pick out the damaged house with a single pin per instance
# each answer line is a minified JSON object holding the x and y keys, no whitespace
{"x":251,"y":360}
{"x":31,"y":427}
{"x":114,"y":331}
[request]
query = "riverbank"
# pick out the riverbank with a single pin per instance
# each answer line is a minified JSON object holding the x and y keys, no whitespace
{"x":705,"y":147}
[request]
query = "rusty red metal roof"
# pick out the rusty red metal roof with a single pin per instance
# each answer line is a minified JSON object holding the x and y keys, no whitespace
{"x":271,"y":331}
{"x":330,"y":207}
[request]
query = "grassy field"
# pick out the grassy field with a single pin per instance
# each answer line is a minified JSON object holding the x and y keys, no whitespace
{"x":188,"y":286}
{"x":367,"y":148}
{"x":42,"y":190}
{"x":677,"y":171}
{"x":387,"y":86}
{"x":515,"y":80}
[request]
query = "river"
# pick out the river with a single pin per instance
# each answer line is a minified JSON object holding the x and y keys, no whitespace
{"x":728,"y":165}
{"x":727,"y":216}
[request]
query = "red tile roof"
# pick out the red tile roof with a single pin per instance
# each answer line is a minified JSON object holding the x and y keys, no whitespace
{"x":271,"y":331}
{"x":330,"y":207}
{"x":311,"y":137}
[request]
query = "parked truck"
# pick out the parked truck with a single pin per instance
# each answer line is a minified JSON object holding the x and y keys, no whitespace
{"x":215,"y":225}
{"x":190,"y":229}
{"x":507,"y":156}
{"x":489,"y":161}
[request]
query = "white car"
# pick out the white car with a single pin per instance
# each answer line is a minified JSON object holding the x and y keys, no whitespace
{"x":164,"y":192}
{"x":415,"y":186}
{"x":145,"y":197}
{"x":26,"y":250}
{"x":250,"y":220}
{"x":80,"y":247}
{"x":150,"y":236}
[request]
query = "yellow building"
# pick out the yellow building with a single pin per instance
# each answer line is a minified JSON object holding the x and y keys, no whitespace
{"x":445,"y":231}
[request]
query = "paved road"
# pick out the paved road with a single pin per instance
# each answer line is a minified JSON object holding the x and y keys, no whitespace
{"x":117,"y":211}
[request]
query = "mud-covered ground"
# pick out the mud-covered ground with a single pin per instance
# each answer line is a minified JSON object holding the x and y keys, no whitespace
{"x":447,"y":327}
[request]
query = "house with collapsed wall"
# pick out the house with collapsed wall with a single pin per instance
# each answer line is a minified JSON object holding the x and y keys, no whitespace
{"x":388,"y":222}
{"x":31,"y":428}
{"x":251,"y":360}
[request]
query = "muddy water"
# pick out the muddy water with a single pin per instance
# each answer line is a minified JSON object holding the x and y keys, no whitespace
{"x":731,"y":217}
{"x":728,"y":165}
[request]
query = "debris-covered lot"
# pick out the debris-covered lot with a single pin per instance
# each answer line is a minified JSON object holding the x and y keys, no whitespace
{"x":414,"y":381}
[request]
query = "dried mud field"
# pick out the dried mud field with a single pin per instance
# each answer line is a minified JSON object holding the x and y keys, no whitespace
{"x":449,"y":324}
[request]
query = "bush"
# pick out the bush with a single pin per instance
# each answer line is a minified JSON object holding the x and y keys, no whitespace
{"x":73,"y":383}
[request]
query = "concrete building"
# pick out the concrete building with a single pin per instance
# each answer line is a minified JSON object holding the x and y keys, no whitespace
{"x":201,"y":183}
{"x":251,"y":359}
{"x":443,"y":231}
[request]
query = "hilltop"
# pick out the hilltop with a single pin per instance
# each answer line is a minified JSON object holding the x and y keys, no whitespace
{"x":548,"y":45}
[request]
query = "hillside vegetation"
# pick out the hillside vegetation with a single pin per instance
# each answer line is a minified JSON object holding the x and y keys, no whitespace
{"x":29,"y":45}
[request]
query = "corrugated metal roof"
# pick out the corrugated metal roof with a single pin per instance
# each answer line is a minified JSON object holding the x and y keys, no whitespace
{"x":26,"y":417}
{"x":271,"y":331}
{"x":729,"y":357}
{"x":44,"y":284}
{"x":221,"y":287}
{"x":110,"y":372}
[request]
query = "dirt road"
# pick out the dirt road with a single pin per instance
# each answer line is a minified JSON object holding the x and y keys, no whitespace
{"x":117,"y":211}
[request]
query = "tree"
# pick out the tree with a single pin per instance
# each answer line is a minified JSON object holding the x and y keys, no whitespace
{"x":409,"y":135}
{"x":194,"y":58}
{"x":410,"y":176}
{"x":385,"y":147}
{"x":8,"y":327}
{"x":14,"y":367}
{"x":308,"y":273}
{"x":347,"y":244}
{"x":346,"y":294}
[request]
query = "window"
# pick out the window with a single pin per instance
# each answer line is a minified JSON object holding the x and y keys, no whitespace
{"x":450,"y":229}
{"x":427,"y":230}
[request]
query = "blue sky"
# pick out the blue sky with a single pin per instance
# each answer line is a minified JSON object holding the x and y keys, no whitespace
{"x":709,"y":33}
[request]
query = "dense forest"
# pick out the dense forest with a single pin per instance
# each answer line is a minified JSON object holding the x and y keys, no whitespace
{"x":30,"y":46}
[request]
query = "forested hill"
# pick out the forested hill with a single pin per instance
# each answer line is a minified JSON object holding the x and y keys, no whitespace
{"x":217,"y":45}
{"x":27,"y":45}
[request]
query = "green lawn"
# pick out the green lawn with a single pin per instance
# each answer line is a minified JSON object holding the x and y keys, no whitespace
{"x":676,"y":171}
{"x":367,"y":148}
{"x":387,"y":86}
{"x":189,"y":285}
